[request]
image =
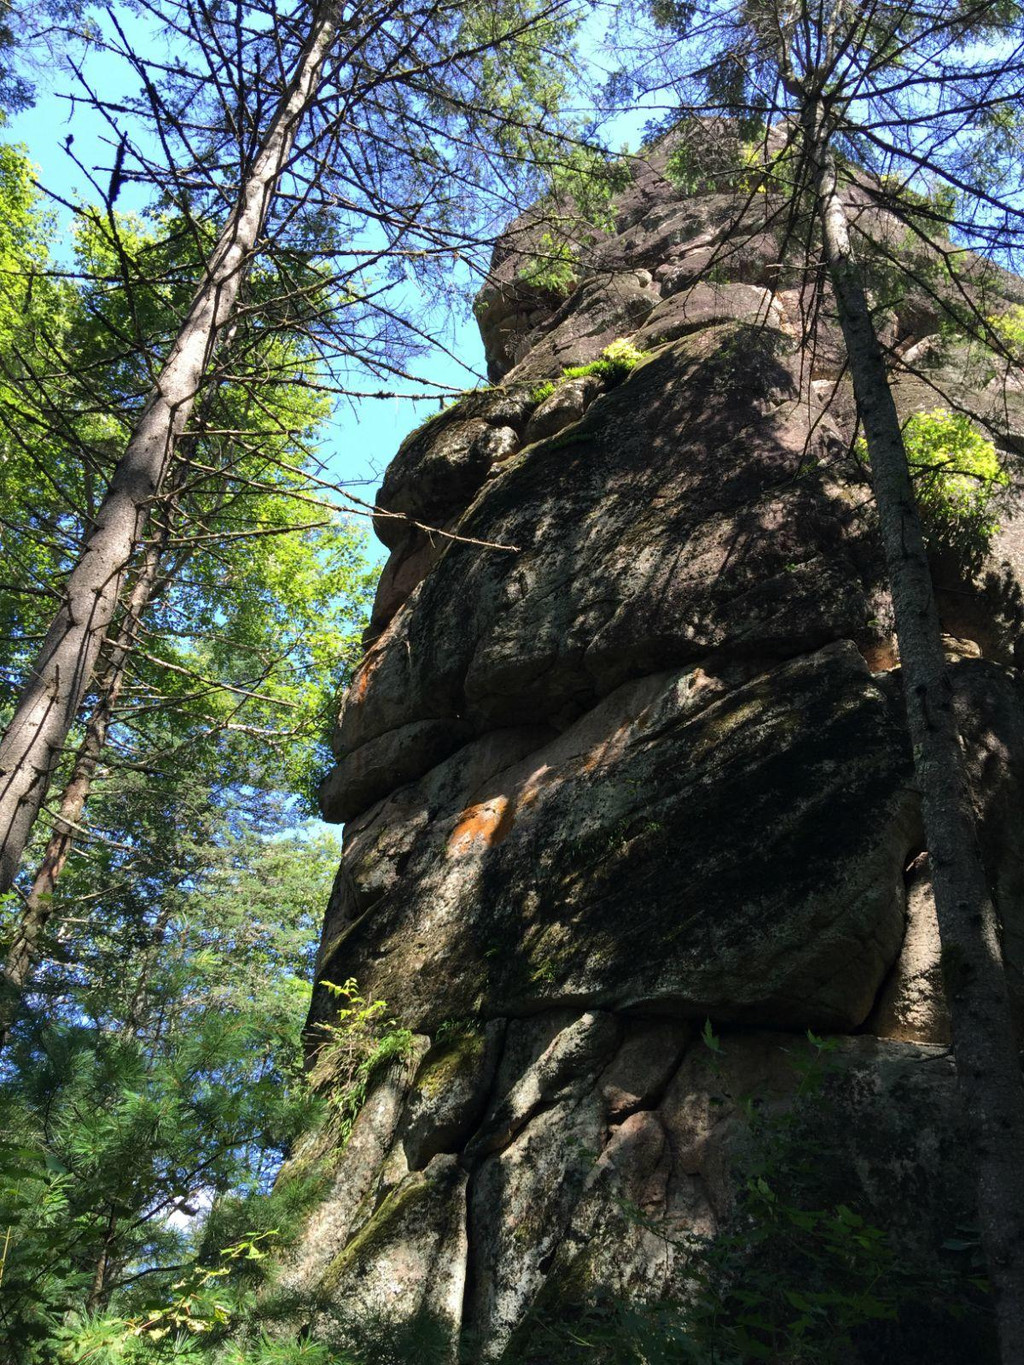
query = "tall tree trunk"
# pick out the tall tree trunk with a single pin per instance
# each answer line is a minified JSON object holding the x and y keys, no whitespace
{"x":38,"y":907}
{"x":97,"y":1290}
{"x":984,"y":1042}
{"x":46,"y":711}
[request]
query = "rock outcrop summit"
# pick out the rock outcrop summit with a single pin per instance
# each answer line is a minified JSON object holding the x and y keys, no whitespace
{"x":645,"y":766}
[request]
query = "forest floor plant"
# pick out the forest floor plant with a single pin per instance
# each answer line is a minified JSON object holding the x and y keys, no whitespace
{"x":799,"y":1272}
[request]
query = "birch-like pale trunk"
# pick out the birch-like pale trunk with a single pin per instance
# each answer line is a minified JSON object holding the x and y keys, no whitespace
{"x":32,"y":743}
{"x":38,"y":905}
{"x":984,"y":1043}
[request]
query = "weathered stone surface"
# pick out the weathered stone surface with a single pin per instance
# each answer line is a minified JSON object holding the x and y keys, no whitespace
{"x":912,"y":1006}
{"x":409,"y":1258}
{"x":990,"y":709}
{"x":521,"y":1201}
{"x":708,"y":305}
{"x":642,"y":1066}
{"x":442,"y":464}
{"x":595,"y":315}
{"x":575,"y":1195}
{"x":384,"y":763}
{"x":695,"y":509}
{"x":888,"y":1127}
{"x":609,"y":866}
{"x":450,"y":1092}
{"x":647,"y":766}
{"x":355,"y":1168}
{"x":870,"y":1087}
{"x":408,"y":564}
{"x":437,"y":472}
{"x":380,"y":842}
{"x":570,"y":1061}
{"x":811,"y":318}
{"x":683,"y":241}
{"x":629,"y":1254}
{"x":566,"y":405}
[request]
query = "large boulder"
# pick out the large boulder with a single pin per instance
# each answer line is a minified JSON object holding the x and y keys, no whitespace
{"x":613,"y":865}
{"x":601,"y":1155}
{"x":629,"y":803}
{"x":699,"y":507}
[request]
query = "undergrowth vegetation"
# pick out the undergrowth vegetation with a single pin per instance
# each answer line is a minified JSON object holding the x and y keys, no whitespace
{"x":615,"y":362}
{"x":220,"y":1303}
{"x":799,"y":1272}
{"x":362,"y":1041}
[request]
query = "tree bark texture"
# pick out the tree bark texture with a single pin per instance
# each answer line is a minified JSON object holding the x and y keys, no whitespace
{"x":32,"y":743}
{"x":984,"y":1042}
{"x":97,"y":1290}
{"x":38,"y":906}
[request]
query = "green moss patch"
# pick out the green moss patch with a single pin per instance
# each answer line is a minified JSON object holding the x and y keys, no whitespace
{"x":448,"y":1060}
{"x":613,"y":365}
{"x":383,"y":1228}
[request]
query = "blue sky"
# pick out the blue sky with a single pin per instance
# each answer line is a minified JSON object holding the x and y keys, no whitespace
{"x":364,"y":434}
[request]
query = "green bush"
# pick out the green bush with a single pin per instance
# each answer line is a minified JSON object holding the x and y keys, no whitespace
{"x":614,"y":363}
{"x":553,"y":267}
{"x":957,"y":474}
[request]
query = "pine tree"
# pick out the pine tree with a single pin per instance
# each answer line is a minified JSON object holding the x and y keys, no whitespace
{"x":239,"y":606}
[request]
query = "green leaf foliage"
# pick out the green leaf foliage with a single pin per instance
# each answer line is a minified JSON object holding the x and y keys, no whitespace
{"x":164,"y":1078}
{"x":154,"y":1079}
{"x":957,"y":476}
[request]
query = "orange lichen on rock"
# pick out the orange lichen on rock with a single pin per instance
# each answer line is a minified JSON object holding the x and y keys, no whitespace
{"x":487,"y":823}
{"x":881,"y":656}
{"x":361,"y":681}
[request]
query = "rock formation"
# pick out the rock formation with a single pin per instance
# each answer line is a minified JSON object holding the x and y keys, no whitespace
{"x":646,"y":766}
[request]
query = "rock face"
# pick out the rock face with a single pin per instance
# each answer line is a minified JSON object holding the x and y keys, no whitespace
{"x":643,"y":765}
